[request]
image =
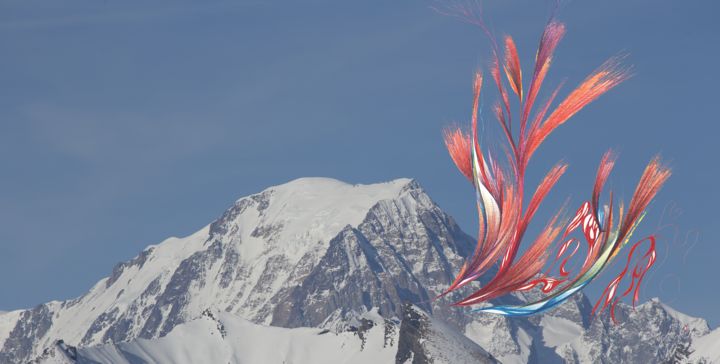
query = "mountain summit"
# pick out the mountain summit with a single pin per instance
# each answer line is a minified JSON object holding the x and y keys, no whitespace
{"x":321,"y":253}
{"x":311,"y":252}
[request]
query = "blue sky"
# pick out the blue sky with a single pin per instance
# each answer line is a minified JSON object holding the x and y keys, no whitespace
{"x":125,"y":122}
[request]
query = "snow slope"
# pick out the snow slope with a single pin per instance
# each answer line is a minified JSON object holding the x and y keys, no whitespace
{"x":225,"y":338}
{"x":707,"y":347}
{"x":200,"y":341}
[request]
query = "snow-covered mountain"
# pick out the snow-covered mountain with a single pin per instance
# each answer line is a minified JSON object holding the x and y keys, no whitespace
{"x":320,"y":253}
{"x":312,"y":252}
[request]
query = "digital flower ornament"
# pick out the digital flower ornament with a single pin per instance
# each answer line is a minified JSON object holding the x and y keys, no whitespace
{"x":499,"y":182}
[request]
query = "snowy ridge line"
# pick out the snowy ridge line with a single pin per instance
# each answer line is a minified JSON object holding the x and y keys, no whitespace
{"x":373,"y":340}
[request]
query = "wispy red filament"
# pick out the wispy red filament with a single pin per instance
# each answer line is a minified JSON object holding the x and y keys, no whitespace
{"x":504,"y":217}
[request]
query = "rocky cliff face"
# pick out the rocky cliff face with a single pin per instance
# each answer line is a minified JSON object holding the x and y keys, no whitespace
{"x":424,"y":339}
{"x":318,"y":252}
{"x":404,"y":250}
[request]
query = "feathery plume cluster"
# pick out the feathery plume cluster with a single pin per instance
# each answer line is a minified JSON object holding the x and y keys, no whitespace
{"x":502,"y":212}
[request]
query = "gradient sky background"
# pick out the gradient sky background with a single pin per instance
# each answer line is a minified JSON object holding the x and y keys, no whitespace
{"x":125,"y":122}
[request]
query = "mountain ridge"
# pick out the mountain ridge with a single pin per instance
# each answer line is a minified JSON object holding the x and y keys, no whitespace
{"x":317,"y":252}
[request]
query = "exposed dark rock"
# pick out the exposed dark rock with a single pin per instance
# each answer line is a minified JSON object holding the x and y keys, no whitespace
{"x":31,"y":325}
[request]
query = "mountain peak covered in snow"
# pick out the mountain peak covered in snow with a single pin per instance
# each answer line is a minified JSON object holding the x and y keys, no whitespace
{"x":303,"y":211}
{"x":304,"y":253}
{"x":324,"y":254}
